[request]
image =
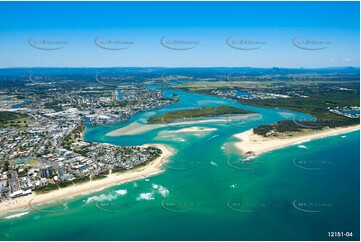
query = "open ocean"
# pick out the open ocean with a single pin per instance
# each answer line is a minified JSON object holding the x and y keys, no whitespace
{"x":208,"y":192}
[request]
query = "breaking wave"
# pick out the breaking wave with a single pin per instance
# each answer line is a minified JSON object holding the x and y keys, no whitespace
{"x":102,"y":198}
{"x":162,"y":190}
{"x":146,"y":196}
{"x":18,"y":215}
{"x":121,"y":192}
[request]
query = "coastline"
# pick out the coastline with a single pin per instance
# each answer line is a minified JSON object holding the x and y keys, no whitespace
{"x":250,"y":142}
{"x":153,"y":168}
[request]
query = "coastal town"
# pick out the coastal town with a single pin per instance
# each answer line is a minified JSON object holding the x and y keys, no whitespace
{"x":41,"y":144}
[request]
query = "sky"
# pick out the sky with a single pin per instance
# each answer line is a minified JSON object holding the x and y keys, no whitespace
{"x":179,"y":34}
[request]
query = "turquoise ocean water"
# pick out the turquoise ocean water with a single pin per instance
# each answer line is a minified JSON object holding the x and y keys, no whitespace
{"x":208,"y":192}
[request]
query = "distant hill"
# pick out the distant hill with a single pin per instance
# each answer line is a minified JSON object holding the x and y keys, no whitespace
{"x":139,"y":74}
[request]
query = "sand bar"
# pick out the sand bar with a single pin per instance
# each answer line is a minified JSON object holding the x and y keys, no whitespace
{"x":136,"y":128}
{"x":192,"y":130}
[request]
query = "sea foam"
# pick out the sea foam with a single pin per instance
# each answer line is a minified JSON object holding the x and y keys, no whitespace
{"x":146,"y":196}
{"x":162,"y":190}
{"x":214,"y":136}
{"x":18,"y":215}
{"x":101,"y":198}
{"x":121,"y":192}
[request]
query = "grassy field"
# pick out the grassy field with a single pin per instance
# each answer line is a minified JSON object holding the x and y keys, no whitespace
{"x":14,"y":120}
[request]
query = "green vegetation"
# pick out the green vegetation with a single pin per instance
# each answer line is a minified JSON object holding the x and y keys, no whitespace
{"x":196,"y":113}
{"x":319,"y":95}
{"x":45,"y":189}
{"x":100,"y":176}
{"x":281,"y":127}
{"x":61,"y":184}
{"x":56,"y":106}
{"x":315,"y":105}
{"x":13,"y":120}
{"x":268,"y":83}
{"x":32,"y":162}
{"x":113,"y":104}
{"x":6,"y":166}
{"x":74,"y":136}
{"x":204,"y":86}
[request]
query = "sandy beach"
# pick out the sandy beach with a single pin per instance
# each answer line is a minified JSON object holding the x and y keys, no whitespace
{"x":258,"y":144}
{"x":150,"y":169}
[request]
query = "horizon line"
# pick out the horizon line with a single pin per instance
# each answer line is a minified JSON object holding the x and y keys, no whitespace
{"x":195,"y":67}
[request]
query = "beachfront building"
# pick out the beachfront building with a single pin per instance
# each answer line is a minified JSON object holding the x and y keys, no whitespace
{"x":46,"y":171}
